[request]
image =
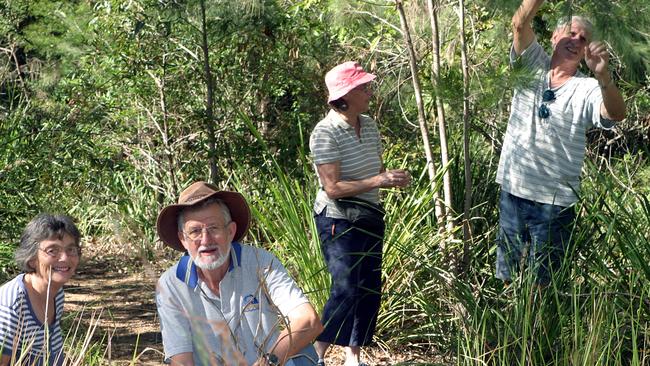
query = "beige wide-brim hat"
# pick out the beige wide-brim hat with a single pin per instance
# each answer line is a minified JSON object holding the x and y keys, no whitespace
{"x":167,"y":223}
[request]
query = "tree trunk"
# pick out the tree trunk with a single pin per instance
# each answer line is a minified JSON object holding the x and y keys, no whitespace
{"x":431,"y":167}
{"x":164,"y":134}
{"x":467,"y":232}
{"x":440,"y":109}
{"x":209,"y":83}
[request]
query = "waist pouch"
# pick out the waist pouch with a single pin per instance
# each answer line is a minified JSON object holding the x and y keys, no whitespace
{"x":362,"y":214}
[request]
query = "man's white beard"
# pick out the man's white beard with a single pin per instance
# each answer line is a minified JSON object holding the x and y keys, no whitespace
{"x":223,"y":258}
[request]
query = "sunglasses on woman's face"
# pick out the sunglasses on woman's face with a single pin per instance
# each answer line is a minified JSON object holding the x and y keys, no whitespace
{"x":547,"y":97}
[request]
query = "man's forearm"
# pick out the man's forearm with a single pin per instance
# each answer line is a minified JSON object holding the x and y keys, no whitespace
{"x":521,"y":24}
{"x":526,"y":12}
{"x":613,"y":103}
{"x":182,"y":359}
{"x":290,"y":342}
{"x":303,"y":327}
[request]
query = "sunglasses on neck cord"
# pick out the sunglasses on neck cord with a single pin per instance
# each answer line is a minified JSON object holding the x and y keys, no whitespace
{"x":547,"y":97}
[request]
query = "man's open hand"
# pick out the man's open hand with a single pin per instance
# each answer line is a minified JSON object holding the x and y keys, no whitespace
{"x":597,"y":58}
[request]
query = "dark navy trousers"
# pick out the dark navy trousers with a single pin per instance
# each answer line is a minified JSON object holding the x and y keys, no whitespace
{"x":353,"y":258}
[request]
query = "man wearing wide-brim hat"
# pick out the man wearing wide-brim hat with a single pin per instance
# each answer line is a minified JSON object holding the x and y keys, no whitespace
{"x":225,"y":302}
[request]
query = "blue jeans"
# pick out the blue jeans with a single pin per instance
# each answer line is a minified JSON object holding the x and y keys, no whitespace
{"x":353,"y":258}
{"x":543,"y":230}
{"x":306,"y":357}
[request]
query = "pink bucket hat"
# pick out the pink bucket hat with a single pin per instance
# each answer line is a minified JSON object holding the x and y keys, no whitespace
{"x":345,"y":77}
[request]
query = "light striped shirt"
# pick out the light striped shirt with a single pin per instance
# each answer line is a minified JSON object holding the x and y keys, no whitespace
{"x":334,"y":140}
{"x":21,"y":330}
{"x":541,"y":158}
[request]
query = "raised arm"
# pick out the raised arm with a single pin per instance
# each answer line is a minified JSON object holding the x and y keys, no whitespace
{"x":597,"y":59}
{"x":521,"y":24}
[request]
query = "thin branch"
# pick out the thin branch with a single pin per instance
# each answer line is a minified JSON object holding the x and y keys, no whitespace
{"x":362,"y":12}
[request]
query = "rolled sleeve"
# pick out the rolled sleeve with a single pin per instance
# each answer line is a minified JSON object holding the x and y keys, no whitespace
{"x":175,"y":325}
{"x":284,"y":291}
{"x":532,"y":57}
{"x":591,"y":107}
{"x":323,"y":146}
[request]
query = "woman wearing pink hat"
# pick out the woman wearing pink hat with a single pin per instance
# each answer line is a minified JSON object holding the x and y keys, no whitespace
{"x":346,"y":150}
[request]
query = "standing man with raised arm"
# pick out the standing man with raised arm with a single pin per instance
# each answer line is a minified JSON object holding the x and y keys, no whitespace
{"x":544,"y":145}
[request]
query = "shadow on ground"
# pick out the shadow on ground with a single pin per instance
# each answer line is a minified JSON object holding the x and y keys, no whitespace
{"x":128,"y":326}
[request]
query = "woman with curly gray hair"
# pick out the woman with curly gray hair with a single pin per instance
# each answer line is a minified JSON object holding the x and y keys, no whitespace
{"x":31,"y":304}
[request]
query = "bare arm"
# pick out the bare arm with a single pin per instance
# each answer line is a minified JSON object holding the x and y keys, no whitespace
{"x":521,"y":25}
{"x":4,"y":361}
{"x":304,"y":327}
{"x":597,"y":59}
{"x":613,"y":106}
{"x":182,"y":359}
{"x":330,"y":175}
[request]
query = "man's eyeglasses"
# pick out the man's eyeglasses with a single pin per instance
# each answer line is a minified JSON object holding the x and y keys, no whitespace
{"x":195,"y":234}
{"x":547,"y":97}
{"x":55,"y":251}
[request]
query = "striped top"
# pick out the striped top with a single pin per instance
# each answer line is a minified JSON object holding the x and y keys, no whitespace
{"x":20,"y":328}
{"x":334,"y":140}
{"x":541,"y":158}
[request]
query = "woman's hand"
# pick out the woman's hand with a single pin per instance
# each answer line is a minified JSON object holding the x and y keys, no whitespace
{"x":335,"y":188}
{"x":394,"y":178}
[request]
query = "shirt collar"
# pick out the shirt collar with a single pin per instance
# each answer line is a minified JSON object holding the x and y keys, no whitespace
{"x":187,"y":271}
{"x":337,"y":121}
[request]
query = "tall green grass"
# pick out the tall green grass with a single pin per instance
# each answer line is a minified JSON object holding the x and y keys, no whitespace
{"x":81,"y":346}
{"x":283,"y":219}
{"x":595,"y":312}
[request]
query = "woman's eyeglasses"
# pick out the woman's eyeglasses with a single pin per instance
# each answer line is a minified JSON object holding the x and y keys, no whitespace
{"x":547,"y":97}
{"x":55,"y":251}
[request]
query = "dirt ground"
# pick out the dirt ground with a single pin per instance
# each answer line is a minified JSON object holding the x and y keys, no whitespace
{"x":125,"y":303}
{"x":124,"y":299}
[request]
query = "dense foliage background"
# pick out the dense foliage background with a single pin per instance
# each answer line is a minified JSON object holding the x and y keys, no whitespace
{"x":108,"y":109}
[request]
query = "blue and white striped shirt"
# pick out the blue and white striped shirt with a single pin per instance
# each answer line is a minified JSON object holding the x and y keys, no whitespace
{"x":21,"y":331}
